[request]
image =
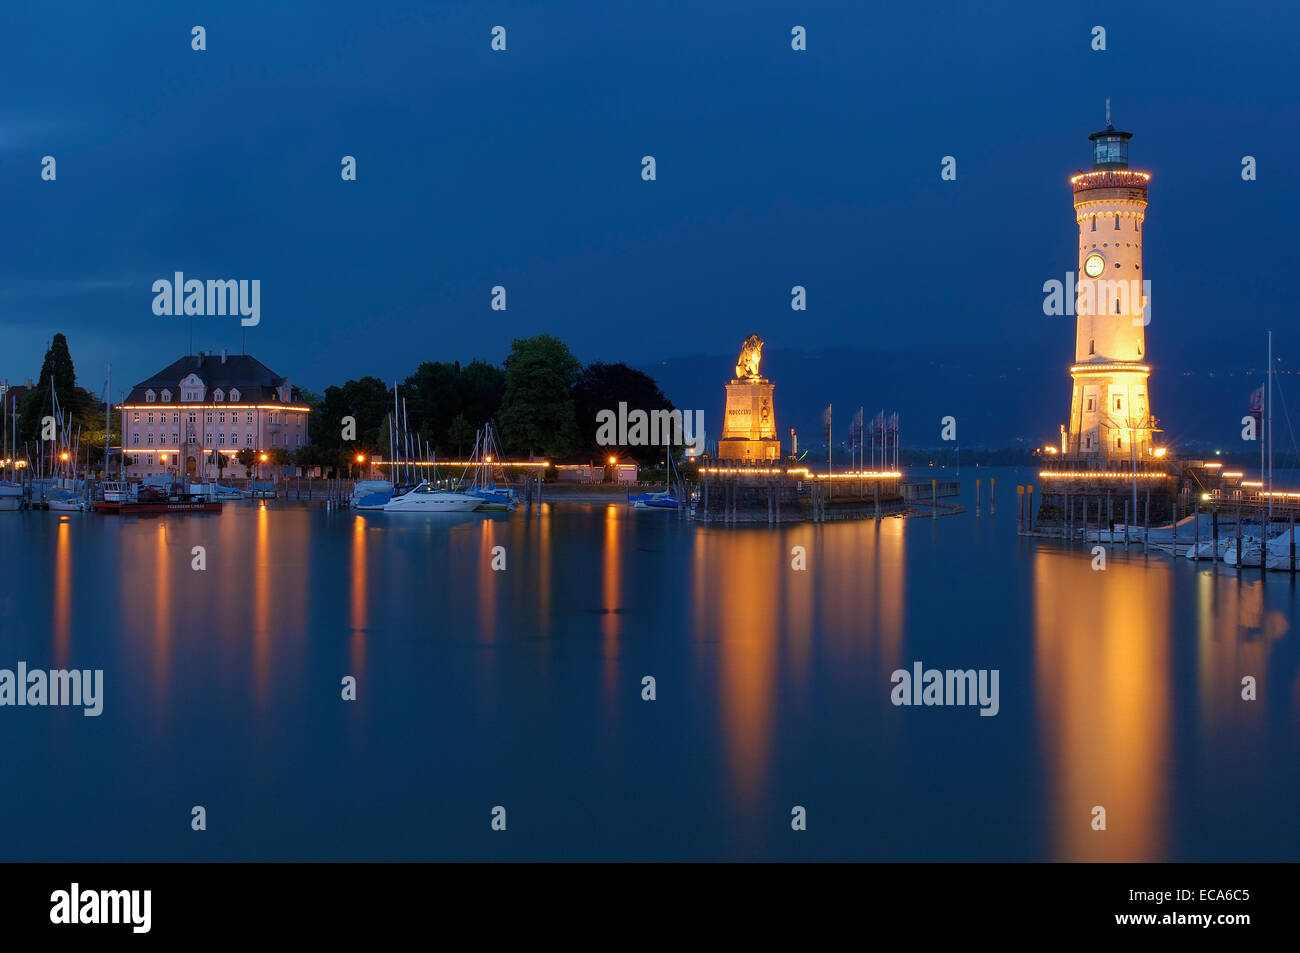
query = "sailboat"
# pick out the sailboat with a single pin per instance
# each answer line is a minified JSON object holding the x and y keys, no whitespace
{"x":663,"y":499}
{"x":483,"y":483}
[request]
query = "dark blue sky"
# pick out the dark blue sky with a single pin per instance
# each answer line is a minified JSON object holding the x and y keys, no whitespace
{"x":775,"y":168}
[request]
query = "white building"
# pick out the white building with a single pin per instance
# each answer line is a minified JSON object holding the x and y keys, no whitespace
{"x":181,"y":418}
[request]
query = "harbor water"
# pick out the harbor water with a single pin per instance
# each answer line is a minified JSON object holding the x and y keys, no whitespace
{"x":524,"y":688}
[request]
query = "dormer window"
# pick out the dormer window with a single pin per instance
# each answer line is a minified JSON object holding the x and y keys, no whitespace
{"x":218,"y":395}
{"x":234,"y":394}
{"x":149,"y":396}
{"x":166,"y":396}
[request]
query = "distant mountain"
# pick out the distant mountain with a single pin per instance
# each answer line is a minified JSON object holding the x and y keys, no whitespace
{"x":1018,"y":399}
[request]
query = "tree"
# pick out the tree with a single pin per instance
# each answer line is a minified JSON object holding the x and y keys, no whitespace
{"x":58,"y":372}
{"x":279,"y":457}
{"x":460,"y":434}
{"x":366,"y":401}
{"x":437,"y":393}
{"x":537,"y":407}
{"x":247,"y":458}
{"x":603,"y":387}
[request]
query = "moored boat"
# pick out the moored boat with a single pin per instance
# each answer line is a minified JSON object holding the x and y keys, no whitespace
{"x":126,"y":498}
{"x":425,"y":499}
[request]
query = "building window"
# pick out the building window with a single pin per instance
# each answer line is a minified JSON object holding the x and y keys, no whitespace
{"x":176,"y":418}
{"x":191,"y":440}
{"x":135,"y":417}
{"x":149,"y":396}
{"x":135,"y":439}
{"x":1119,"y":403}
{"x":176,"y":439}
{"x":166,"y":396}
{"x":1117,"y":223}
{"x":208,"y":439}
{"x":249,"y":419}
{"x":193,"y":417}
{"x":221,"y":417}
{"x":299,"y":441}
{"x":221,"y":439}
{"x":1092,"y":346}
{"x":1092,"y":404}
{"x":234,"y":395}
{"x":209,"y":416}
{"x":1119,"y":443}
{"x":248,"y":440}
{"x":1094,"y":223}
{"x":149,"y":418}
{"x":148,"y":438}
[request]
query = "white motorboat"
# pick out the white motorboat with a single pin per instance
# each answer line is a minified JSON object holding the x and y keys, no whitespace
{"x":65,"y":504}
{"x":11,"y":495}
{"x":425,"y":499}
{"x":215,"y":491}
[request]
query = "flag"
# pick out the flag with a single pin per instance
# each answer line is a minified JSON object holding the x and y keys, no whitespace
{"x":1257,"y":400}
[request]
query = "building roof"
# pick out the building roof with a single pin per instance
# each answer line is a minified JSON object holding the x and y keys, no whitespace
{"x":242,"y":372}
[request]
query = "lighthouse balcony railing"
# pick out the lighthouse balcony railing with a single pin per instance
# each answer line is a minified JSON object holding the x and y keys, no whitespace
{"x":1109,"y":179}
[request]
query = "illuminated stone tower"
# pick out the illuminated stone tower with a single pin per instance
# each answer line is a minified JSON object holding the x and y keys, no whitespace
{"x":1110,"y":414}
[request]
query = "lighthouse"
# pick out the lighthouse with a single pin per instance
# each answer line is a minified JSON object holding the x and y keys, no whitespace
{"x":1110,"y":411}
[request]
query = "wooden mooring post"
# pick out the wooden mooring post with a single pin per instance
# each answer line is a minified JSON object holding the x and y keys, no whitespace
{"x":1146,"y":522}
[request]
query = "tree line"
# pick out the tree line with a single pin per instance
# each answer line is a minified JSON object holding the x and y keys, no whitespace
{"x":542,"y":399}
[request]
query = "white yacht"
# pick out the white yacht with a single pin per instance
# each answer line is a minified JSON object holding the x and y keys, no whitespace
{"x":11,"y":495}
{"x":425,"y":499}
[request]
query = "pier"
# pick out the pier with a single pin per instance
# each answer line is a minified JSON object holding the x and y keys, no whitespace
{"x":773,"y":494}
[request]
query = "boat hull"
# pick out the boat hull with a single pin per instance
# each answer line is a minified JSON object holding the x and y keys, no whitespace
{"x":161,"y":506}
{"x":434,"y":506}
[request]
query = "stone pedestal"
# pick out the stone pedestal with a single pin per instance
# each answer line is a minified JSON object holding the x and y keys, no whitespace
{"x":749,"y":423}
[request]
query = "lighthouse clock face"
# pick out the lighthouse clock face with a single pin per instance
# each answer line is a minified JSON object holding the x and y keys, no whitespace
{"x":1093,"y":266}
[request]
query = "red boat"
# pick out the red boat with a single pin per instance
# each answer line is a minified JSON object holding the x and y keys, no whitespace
{"x":125,"y":498}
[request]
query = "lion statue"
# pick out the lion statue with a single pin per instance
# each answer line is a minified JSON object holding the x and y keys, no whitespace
{"x":750,"y":354}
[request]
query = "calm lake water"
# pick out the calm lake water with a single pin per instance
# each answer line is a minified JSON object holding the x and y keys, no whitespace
{"x":523,"y":689}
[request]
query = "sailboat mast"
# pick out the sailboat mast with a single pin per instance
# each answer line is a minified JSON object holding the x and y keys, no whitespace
{"x":1270,"y":424}
{"x":108,"y":419}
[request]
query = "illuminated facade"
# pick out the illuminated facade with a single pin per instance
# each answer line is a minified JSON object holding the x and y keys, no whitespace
{"x":1110,"y":414}
{"x":181,"y":418}
{"x":749,"y":422}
